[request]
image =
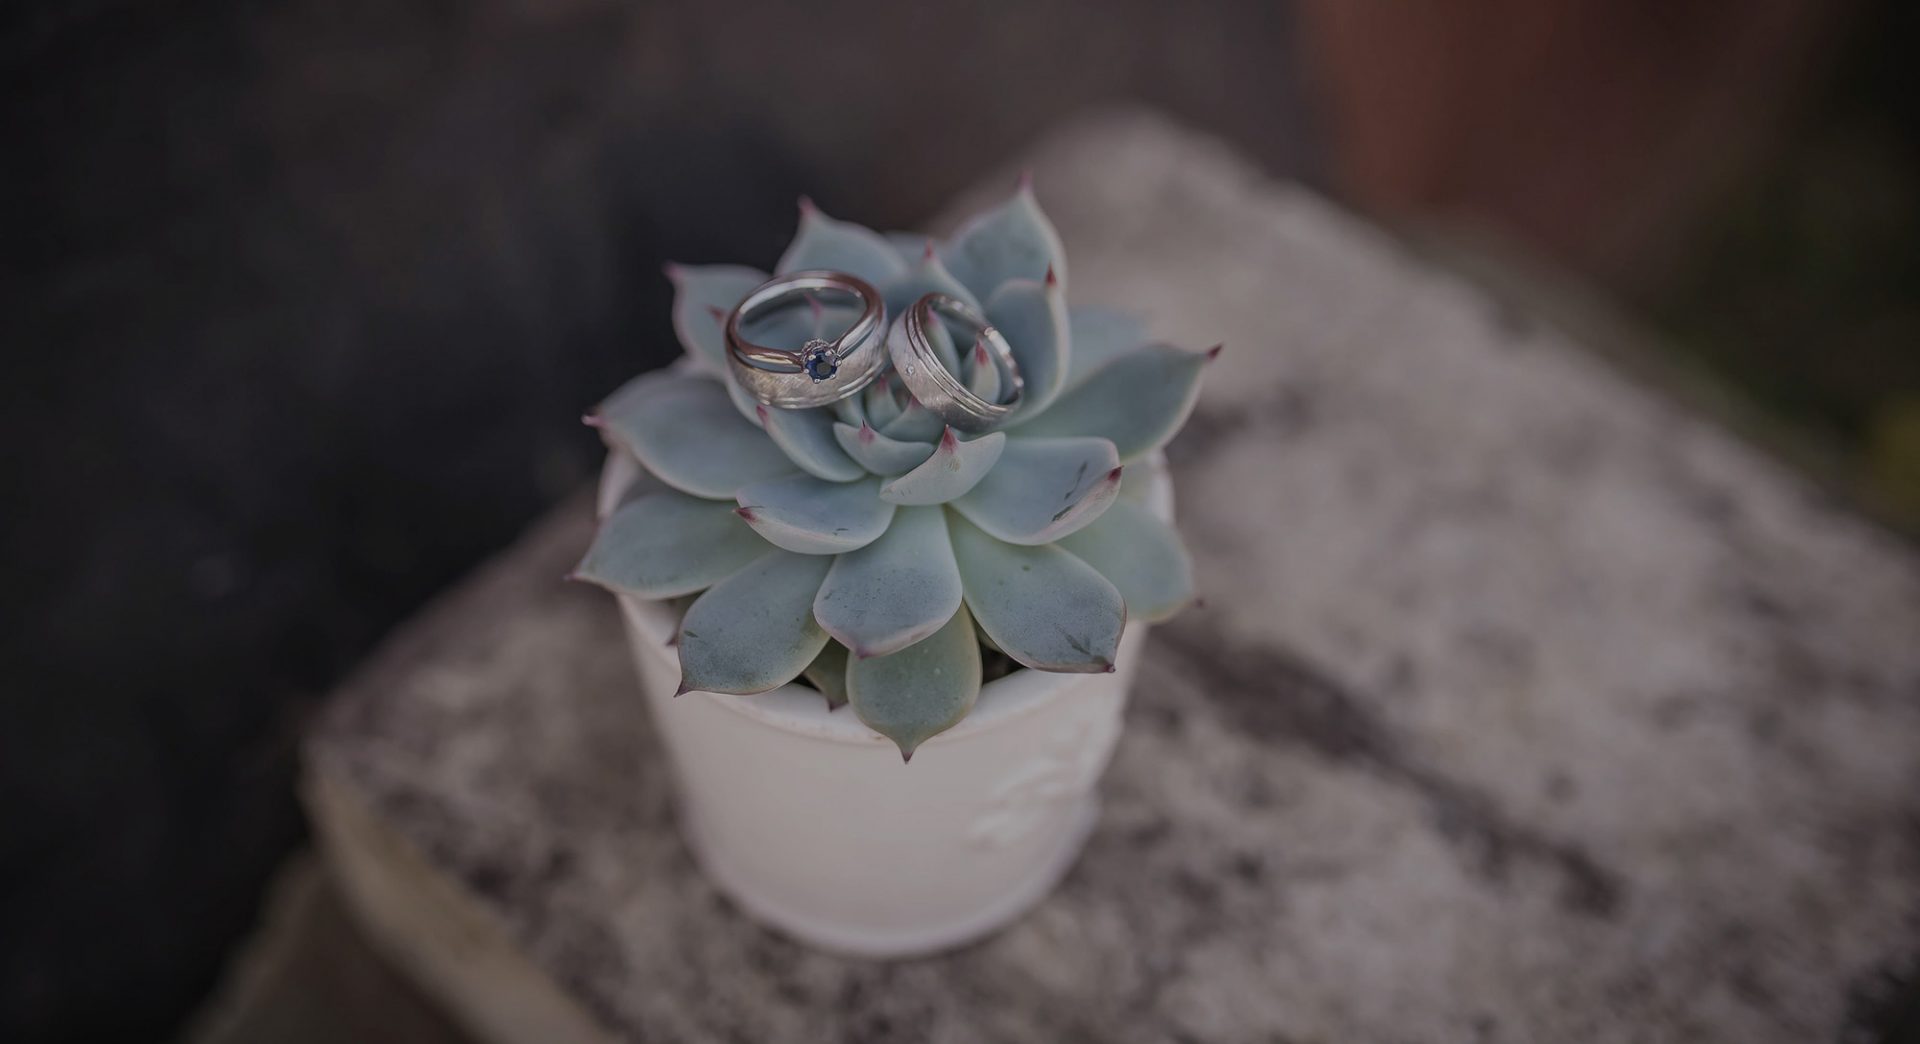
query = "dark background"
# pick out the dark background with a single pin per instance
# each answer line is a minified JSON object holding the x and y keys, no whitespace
{"x":302,"y":302}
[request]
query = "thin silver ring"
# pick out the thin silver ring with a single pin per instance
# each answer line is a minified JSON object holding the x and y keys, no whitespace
{"x":821,"y":371}
{"x":940,"y":391}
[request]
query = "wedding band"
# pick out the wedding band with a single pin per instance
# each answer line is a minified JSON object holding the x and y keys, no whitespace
{"x":820,"y":371}
{"x":919,"y":367}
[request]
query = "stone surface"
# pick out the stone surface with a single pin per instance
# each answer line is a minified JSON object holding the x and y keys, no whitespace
{"x":1524,"y":707}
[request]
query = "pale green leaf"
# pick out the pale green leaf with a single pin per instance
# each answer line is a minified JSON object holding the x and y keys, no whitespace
{"x":1138,"y":401}
{"x":921,"y":691}
{"x":955,"y":468}
{"x":1141,"y":556}
{"x":754,"y":631}
{"x":1012,"y":241}
{"x":877,"y":453}
{"x":702,"y":297}
{"x":684,"y":432}
{"x":1033,"y":318}
{"x":664,"y":544}
{"x":840,"y":246}
{"x":1042,"y":606}
{"x":896,"y":590}
{"x":812,"y":516}
{"x":1043,"y":489}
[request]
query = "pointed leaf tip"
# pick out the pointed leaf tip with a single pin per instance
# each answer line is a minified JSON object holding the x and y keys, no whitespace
{"x":928,"y":256}
{"x":1114,"y":475}
{"x":906,"y":755}
{"x":1052,"y":280}
{"x":1214,"y":352}
{"x":1025,"y":182}
{"x":866,"y":432}
{"x":592,"y":420}
{"x":672,"y":271}
{"x":807,"y":206}
{"x":948,"y":440}
{"x":744,"y":512}
{"x":682,"y":689}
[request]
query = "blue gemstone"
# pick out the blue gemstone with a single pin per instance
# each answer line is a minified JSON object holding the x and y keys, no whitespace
{"x":820,"y":364}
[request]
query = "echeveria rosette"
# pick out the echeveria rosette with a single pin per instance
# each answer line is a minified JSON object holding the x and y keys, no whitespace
{"x":861,"y":545}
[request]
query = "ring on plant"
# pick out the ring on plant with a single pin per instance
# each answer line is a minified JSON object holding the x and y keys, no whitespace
{"x":916,"y":344}
{"x":823,"y":370}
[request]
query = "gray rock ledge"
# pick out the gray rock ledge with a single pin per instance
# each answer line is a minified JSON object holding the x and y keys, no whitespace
{"x":1524,"y":707}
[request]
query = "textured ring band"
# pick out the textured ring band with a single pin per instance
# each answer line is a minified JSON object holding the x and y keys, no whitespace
{"x":820,"y":371}
{"x":940,"y":390}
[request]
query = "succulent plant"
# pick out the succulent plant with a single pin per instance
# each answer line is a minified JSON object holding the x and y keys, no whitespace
{"x":865,"y":545}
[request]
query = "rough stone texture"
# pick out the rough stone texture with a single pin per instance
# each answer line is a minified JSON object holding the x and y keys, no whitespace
{"x":1523,"y":707}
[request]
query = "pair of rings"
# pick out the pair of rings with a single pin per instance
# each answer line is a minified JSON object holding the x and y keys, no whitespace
{"x":824,"y":371}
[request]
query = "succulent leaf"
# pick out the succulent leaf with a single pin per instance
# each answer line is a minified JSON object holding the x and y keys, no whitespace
{"x":954,"y":469}
{"x":1043,"y":489}
{"x":851,"y":411}
{"x":1101,"y":335}
{"x":922,"y":690}
{"x":877,"y":453}
{"x":1012,"y":241}
{"x":702,"y":297}
{"x":617,"y":478}
{"x":828,"y":673}
{"x":1033,"y":318}
{"x":926,"y":276}
{"x":840,"y":246}
{"x":664,"y":544}
{"x":896,"y":590}
{"x":812,"y":516}
{"x":1042,"y":606}
{"x":754,"y":631}
{"x":983,"y":376}
{"x":1138,"y":400}
{"x":683,"y":430}
{"x":914,"y":424}
{"x":1141,"y":556}
{"x":909,"y":245}
{"x":806,"y":437}
{"x":879,"y":402}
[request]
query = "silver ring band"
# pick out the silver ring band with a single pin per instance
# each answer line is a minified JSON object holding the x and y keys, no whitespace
{"x":918,"y":366}
{"x":820,"y":371}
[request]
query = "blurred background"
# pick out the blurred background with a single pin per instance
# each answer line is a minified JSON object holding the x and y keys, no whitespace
{"x":302,"y":302}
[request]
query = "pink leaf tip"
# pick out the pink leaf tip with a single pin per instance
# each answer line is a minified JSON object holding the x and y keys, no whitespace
{"x":1114,"y":475}
{"x":1052,"y":279}
{"x":807,"y":205}
{"x":719,"y":314}
{"x":760,"y":411}
{"x":673,"y":272}
{"x":1214,"y":352}
{"x":745,"y":512}
{"x":593,"y":420}
{"x":980,"y":353}
{"x":866,"y":432}
{"x":1025,"y":182}
{"x":949,"y":442}
{"x":928,"y":256}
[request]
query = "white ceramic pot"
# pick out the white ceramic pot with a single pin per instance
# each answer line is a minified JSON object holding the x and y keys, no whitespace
{"x":810,"y":821}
